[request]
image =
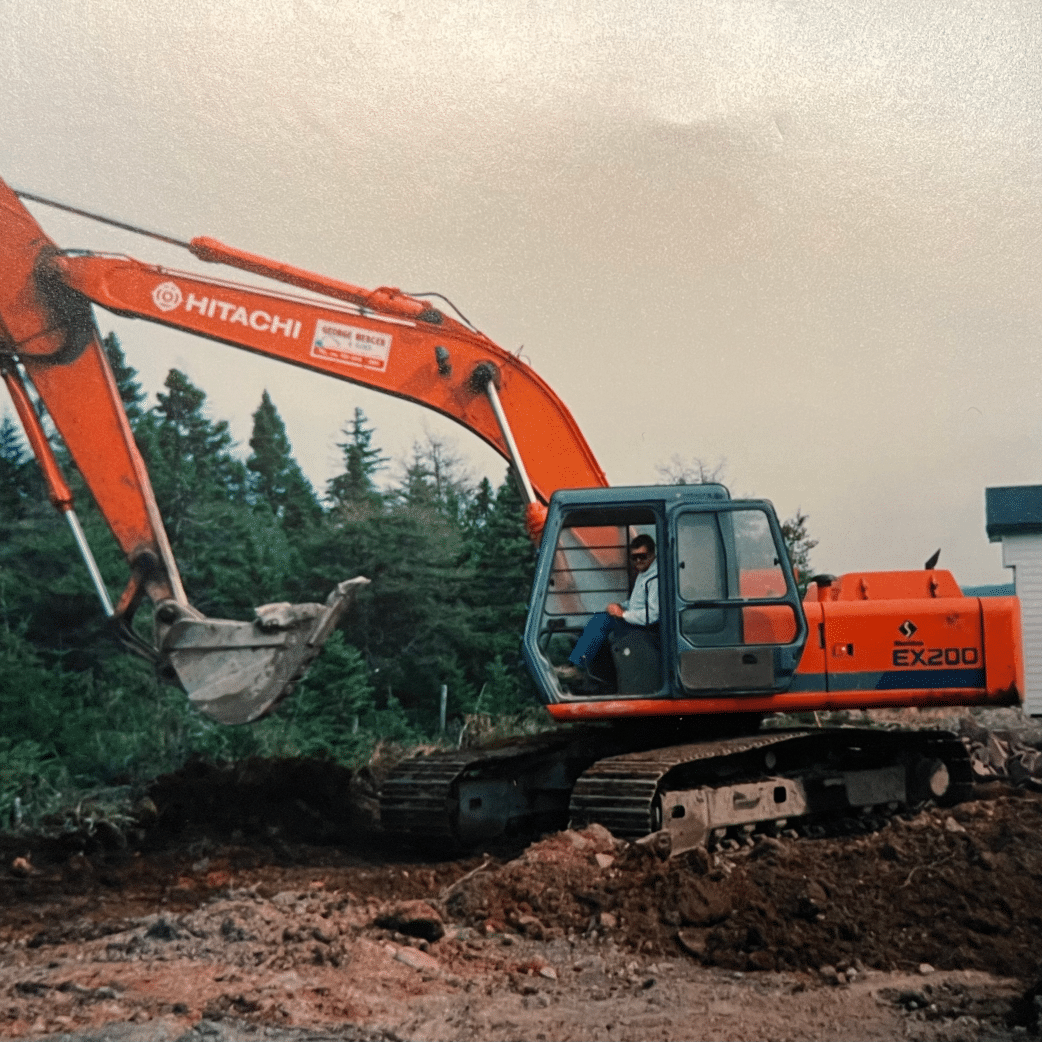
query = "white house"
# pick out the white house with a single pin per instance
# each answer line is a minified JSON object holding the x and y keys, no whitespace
{"x":1014,"y":517}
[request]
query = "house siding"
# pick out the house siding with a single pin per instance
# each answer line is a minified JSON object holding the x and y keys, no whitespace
{"x":1023,"y":554}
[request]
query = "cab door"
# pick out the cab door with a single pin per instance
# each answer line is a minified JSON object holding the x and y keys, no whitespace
{"x":739,"y":622}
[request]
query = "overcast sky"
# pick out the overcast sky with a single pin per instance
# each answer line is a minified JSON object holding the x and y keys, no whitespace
{"x":800,"y":237}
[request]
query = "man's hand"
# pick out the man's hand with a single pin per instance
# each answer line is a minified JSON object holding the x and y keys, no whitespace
{"x":615,"y":610}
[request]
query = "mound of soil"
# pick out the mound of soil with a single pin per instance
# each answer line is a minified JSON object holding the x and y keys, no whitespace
{"x":303,"y":800}
{"x":955,"y":889}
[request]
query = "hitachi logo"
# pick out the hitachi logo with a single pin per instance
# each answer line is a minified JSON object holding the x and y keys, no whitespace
{"x":226,"y":311}
{"x":168,"y":297}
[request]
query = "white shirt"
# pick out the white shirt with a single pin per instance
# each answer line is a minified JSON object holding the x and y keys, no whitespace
{"x":642,"y":607}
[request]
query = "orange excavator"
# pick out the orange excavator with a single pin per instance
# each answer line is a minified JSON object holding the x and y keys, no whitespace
{"x":665,"y":733}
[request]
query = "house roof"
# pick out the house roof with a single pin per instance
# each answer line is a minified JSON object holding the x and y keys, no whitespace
{"x":1013,"y":510}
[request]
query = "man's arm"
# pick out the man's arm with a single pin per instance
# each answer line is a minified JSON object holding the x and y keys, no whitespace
{"x":643,"y":603}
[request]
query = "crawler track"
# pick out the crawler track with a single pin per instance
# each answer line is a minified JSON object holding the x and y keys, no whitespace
{"x":707,"y":792}
{"x":415,"y":800}
{"x":700,"y":793}
{"x":459,"y":798}
{"x":619,"y":792}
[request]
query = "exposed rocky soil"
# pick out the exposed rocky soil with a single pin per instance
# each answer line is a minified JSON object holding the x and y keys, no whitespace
{"x":220,"y":915}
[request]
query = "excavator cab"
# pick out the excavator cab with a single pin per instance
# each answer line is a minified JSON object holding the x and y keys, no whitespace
{"x":730,"y":618}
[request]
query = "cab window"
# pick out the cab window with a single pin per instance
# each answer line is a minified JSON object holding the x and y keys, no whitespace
{"x":725,"y":559}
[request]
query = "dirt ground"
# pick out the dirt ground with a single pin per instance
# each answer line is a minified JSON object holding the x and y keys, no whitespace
{"x":257,"y":902}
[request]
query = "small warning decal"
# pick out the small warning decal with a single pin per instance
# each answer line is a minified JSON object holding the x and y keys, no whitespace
{"x":349,"y":345}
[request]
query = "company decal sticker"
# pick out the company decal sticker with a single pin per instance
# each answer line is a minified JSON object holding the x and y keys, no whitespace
{"x":349,"y":345}
{"x":167,"y":297}
{"x":911,"y":653}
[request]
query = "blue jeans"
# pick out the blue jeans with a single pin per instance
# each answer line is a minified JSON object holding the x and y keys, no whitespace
{"x":600,"y":628}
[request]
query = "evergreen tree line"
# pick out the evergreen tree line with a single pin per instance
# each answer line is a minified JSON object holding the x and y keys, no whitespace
{"x":449,"y":562}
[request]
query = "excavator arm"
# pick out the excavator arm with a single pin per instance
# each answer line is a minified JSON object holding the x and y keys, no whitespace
{"x":383,"y":339}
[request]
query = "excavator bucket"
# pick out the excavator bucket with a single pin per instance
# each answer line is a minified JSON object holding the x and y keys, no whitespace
{"x":237,"y":672}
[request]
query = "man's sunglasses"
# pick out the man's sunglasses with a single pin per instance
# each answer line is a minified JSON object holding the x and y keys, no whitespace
{"x":639,"y":557}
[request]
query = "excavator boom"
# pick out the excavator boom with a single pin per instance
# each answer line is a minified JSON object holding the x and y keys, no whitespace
{"x":428,"y":358}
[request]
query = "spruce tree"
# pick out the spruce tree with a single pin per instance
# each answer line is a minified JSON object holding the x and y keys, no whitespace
{"x":355,"y":487}
{"x":503,"y":562}
{"x":189,"y":456}
{"x":277,"y":479}
{"x":15,"y":471}
{"x":480,"y":507}
{"x":417,"y":490}
{"x":435,"y":480}
{"x":799,"y":544}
